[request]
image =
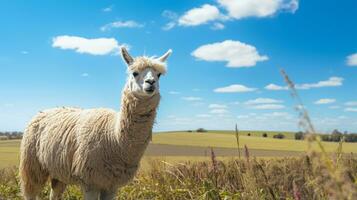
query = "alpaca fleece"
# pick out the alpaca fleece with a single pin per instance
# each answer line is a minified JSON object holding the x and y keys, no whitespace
{"x":142,"y":62}
{"x":93,"y":147}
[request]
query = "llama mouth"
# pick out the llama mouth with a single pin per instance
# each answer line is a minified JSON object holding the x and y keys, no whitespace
{"x":150,"y":90}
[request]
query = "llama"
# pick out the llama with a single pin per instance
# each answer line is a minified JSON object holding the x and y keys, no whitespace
{"x":98,"y":149}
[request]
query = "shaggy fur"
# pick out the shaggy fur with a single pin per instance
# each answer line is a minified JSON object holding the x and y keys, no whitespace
{"x":142,"y":62}
{"x":95,"y":148}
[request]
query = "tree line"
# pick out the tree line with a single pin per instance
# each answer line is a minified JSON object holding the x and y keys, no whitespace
{"x":8,"y":135}
{"x":335,"y":136}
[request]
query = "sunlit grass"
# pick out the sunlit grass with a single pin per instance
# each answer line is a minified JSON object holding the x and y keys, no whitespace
{"x":229,"y":141}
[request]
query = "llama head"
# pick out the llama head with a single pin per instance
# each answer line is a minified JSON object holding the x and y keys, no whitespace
{"x":144,"y":73}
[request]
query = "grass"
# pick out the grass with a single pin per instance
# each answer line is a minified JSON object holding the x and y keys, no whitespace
{"x":9,"y":149}
{"x":9,"y":152}
{"x":229,"y":141}
{"x":270,"y":134}
{"x":304,"y":177}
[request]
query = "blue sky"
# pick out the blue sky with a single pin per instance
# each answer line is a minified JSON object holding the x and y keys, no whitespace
{"x":224,"y":68}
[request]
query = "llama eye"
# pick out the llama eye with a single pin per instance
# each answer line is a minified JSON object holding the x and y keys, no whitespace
{"x":135,"y":74}
{"x":159,"y":75}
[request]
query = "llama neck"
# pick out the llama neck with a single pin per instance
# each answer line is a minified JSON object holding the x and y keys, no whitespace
{"x":137,"y":116}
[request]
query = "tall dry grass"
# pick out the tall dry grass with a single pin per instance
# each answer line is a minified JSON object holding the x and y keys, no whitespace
{"x":296,"y":178}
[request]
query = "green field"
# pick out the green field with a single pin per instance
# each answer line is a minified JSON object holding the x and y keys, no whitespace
{"x":9,"y":152}
{"x":270,"y":134}
{"x":217,"y":139}
{"x":9,"y":149}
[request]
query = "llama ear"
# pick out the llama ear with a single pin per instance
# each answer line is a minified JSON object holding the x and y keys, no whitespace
{"x":126,"y":56}
{"x":164,"y":57}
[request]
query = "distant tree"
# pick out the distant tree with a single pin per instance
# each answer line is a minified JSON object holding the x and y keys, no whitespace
{"x":299,"y":135}
{"x":325,"y":137}
{"x":201,"y":130}
{"x":248,"y":134}
{"x":336,"y":135}
{"x":189,"y":131}
{"x":265,"y":135}
{"x":279,"y":136}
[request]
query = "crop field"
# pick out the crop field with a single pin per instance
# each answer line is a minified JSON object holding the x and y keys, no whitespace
{"x":196,"y":146}
{"x":228,"y":140}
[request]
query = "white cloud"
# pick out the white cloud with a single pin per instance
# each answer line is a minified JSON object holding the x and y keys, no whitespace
{"x":122,"y":24}
{"x":217,"y":106}
{"x":334,"y":107}
{"x":234,"y":88}
{"x":351,"y":109}
{"x":192,"y":98}
{"x":108,"y":9}
{"x":201,"y":15}
{"x":172,"y":16}
{"x":169,"y":26}
{"x":325,"y":101}
{"x":236,"y":53}
{"x":219,"y":111}
{"x":331,"y":82}
{"x":351,"y":103}
{"x":273,"y":86}
{"x":24,"y":52}
{"x":257,"y":8}
{"x":169,"y":14}
{"x":278,"y":114}
{"x":84,"y":74}
{"x":174,"y":92}
{"x":217,"y":26}
{"x":268,"y":107}
{"x":203,"y":116}
{"x":290,"y":6}
{"x":263,"y":101}
{"x":97,"y":46}
{"x":352,"y":60}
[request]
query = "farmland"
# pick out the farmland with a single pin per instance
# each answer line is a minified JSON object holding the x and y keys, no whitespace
{"x":181,"y":146}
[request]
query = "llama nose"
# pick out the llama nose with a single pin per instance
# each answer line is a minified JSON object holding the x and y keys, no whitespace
{"x":150,"y":81}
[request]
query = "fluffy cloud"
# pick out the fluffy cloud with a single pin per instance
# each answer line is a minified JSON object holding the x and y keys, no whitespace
{"x":236,"y":53}
{"x":234,"y":88}
{"x":192,"y":98}
{"x":172,"y":16}
{"x":217,"y":26}
{"x":268,"y":107}
{"x":219,"y":111}
{"x":352,"y":60}
{"x":351,"y":103}
{"x":331,"y":82}
{"x":169,"y":26}
{"x":174,"y":92}
{"x":121,"y":24}
{"x":273,"y":86}
{"x":278,"y":114}
{"x":334,"y":107}
{"x":108,"y":9}
{"x":97,"y":46}
{"x":232,"y":9}
{"x":263,"y":101}
{"x":257,"y":8}
{"x":217,"y":106}
{"x":203,"y":116}
{"x":325,"y":101}
{"x":351,"y":109}
{"x":201,"y":15}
